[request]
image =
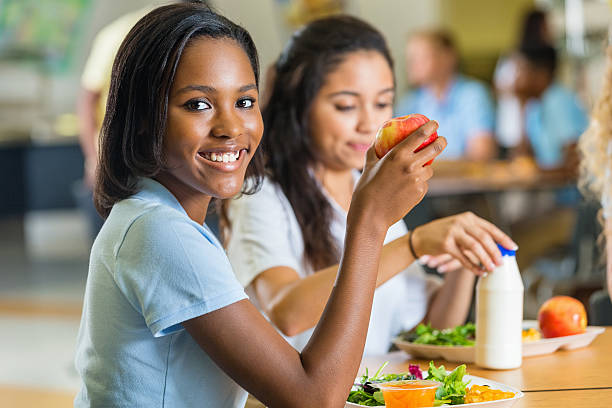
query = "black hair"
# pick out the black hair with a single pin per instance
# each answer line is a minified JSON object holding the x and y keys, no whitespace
{"x":542,"y":57}
{"x":131,"y":139}
{"x":300,"y":72}
{"x":532,"y":34}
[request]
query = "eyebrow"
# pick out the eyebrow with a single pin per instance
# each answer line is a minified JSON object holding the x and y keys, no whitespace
{"x":210,"y":89}
{"x":353,"y":93}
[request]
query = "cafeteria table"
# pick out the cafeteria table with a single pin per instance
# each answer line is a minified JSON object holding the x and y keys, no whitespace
{"x":566,"y":378}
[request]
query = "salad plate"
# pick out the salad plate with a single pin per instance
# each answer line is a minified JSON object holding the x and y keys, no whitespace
{"x":466,"y":354}
{"x":473,"y":380}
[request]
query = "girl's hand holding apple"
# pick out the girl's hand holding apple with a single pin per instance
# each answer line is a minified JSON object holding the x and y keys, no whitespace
{"x":390,"y":187}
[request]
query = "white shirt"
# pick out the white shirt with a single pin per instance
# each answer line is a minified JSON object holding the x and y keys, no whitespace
{"x":265,"y":234}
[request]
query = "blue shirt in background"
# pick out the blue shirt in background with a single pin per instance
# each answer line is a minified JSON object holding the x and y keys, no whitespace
{"x":465,"y":111}
{"x":152,"y":268}
{"x":552,"y":122}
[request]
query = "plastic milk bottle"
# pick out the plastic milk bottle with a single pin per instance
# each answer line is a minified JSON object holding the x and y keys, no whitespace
{"x":499,"y":315}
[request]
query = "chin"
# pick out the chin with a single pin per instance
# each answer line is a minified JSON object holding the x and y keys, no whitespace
{"x":228,"y":191}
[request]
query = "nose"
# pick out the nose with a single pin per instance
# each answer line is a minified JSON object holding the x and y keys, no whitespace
{"x":227,"y":124}
{"x":367,"y":120}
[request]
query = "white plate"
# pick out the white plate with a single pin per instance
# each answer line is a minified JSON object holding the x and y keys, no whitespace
{"x":465,"y":354}
{"x":505,"y":403}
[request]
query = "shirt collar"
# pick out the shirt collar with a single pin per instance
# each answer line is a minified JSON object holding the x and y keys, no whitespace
{"x":152,"y":190}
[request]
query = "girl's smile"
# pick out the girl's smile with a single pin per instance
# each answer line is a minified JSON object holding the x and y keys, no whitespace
{"x":224,"y":159}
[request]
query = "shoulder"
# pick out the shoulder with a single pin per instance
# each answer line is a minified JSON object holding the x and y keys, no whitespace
{"x":144,"y":228}
{"x":269,"y":197}
{"x":472,"y":86}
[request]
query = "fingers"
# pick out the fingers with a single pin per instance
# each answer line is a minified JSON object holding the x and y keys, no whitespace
{"x":464,"y":260}
{"x":416,"y":139}
{"x":468,"y":243}
{"x":435,"y":261}
{"x":498,"y":235}
{"x":431,"y":151}
{"x":371,"y":157}
{"x":486,"y":240}
{"x":419,"y":136}
{"x":450,"y":266}
{"x":442,"y":263}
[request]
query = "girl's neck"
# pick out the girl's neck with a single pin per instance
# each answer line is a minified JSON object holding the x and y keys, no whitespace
{"x":193,"y":202}
{"x":338,"y":184}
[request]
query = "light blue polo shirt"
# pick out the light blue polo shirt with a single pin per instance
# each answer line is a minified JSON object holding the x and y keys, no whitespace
{"x":552,"y":122}
{"x":464,"y":111}
{"x":152,"y":268}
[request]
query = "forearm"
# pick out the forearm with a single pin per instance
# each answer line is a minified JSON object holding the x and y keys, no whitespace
{"x":298,"y":306}
{"x":88,"y":127}
{"x":451,"y":302}
{"x":335,"y":349}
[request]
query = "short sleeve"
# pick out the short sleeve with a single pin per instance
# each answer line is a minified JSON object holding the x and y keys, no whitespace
{"x":478,"y":109}
{"x":570,"y":118}
{"x":170,"y":271}
{"x":262,"y":235}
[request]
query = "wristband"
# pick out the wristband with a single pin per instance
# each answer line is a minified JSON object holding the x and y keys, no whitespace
{"x":412,"y":251}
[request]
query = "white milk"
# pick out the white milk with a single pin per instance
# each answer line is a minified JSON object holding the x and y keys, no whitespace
{"x":499,"y":316}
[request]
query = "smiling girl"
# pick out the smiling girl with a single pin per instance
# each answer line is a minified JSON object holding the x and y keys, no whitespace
{"x":165,"y":322}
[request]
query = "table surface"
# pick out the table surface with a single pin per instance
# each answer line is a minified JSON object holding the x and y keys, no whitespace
{"x":566,"y":378}
{"x":467,"y":177}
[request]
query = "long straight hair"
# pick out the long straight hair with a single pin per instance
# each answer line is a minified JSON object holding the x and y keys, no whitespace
{"x":131,"y":139}
{"x":301,"y":70}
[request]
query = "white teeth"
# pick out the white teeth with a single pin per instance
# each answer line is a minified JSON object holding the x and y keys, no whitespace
{"x":223,"y":157}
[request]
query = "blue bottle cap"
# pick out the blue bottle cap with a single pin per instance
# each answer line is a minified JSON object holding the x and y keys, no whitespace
{"x":505,"y":251}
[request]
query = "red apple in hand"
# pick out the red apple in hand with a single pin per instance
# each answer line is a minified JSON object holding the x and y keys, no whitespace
{"x":562,"y":316}
{"x":395,"y":130}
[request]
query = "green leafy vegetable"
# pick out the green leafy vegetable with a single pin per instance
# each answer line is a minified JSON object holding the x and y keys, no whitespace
{"x":459,"y":336}
{"x":452,"y":390}
{"x":366,"y":393}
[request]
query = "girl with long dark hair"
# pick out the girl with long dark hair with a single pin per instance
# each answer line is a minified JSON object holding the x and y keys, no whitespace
{"x":333,"y":88}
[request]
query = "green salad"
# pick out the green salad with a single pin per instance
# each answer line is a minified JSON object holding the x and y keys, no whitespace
{"x":459,"y":336}
{"x":366,"y":393}
{"x":451,"y":392}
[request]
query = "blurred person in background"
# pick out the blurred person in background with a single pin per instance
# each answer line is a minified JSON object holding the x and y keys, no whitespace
{"x":461,"y":105}
{"x":91,"y":105}
{"x":554,"y":115}
{"x":509,"y":128}
{"x":595,"y":147}
{"x":333,"y":88}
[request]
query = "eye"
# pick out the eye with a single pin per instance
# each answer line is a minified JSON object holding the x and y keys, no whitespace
{"x":196,"y":105}
{"x":245,"y":103}
{"x":345,"y":108}
{"x":383,"y":105}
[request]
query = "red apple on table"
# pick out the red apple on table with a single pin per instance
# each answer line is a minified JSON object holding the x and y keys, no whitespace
{"x":562,"y":316}
{"x":395,"y":130}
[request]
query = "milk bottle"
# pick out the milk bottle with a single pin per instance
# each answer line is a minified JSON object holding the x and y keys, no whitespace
{"x":499,"y":315}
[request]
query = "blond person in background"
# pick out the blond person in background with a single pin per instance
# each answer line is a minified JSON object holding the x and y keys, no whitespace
{"x":91,"y":105}
{"x":461,"y":105}
{"x":595,"y":148}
